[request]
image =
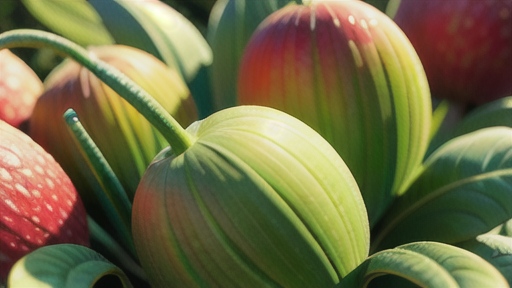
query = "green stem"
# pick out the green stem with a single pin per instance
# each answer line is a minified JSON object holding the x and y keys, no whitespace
{"x":113,"y":198}
{"x":172,"y":131}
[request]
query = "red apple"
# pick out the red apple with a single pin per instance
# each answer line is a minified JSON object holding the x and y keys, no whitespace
{"x":39,"y":205}
{"x":19,"y":89}
{"x":465,"y":46}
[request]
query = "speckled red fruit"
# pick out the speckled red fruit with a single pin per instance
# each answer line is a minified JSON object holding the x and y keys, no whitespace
{"x":39,"y":205}
{"x":19,"y":89}
{"x":465,"y":46}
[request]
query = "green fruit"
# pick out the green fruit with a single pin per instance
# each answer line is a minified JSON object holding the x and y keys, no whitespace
{"x":258,"y":200}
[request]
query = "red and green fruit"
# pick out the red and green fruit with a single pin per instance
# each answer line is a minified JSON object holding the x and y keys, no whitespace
{"x":349,"y":72}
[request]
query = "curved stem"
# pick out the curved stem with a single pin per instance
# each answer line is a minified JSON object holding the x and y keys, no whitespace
{"x":113,"y":198}
{"x":177,"y":137}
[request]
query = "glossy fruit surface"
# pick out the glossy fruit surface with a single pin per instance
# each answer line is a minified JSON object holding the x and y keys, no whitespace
{"x":19,"y":89}
{"x":39,"y":204}
{"x":258,"y":200}
{"x":464,"y":45}
{"x":347,"y":70}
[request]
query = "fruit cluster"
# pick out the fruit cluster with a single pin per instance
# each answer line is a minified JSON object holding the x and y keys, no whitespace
{"x":313,"y":143}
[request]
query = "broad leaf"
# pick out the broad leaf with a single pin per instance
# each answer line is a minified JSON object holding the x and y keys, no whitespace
{"x":495,"y":249}
{"x":64,"y":266}
{"x":427,"y":264}
{"x":465,"y":190}
{"x":75,"y":20}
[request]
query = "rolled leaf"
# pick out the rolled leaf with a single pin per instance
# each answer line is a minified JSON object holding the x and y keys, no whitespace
{"x":259,"y":199}
{"x":75,"y":20}
{"x":64,"y":266}
{"x":427,"y":264}
{"x":346,"y":70}
{"x":463,"y":192}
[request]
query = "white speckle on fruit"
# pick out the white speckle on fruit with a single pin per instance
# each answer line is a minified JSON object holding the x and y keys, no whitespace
{"x":46,"y":235}
{"x":13,"y":82}
{"x":60,"y":221}
{"x":351,"y":20}
{"x":9,"y":159}
{"x":22,"y":190}
{"x":374,"y":22}
{"x":39,"y":169}
{"x":336,"y":22}
{"x":363,"y":24}
{"x":69,"y":202}
{"x":37,"y":208}
{"x":50,"y":183}
{"x":7,"y":218}
{"x":26,"y":172}
{"x":36,"y":219}
{"x":50,"y":173}
{"x":23,"y":247}
{"x":40,"y":159}
{"x":5,"y":175}
{"x":54,"y":197}
{"x":49,"y":207}
{"x":63,"y":213}
{"x":37,"y":229}
{"x":36,"y":193}
{"x":12,"y":205}
{"x":12,"y":244}
{"x":27,"y":237}
{"x":39,"y":241}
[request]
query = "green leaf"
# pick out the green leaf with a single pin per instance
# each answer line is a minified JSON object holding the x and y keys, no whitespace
{"x":495,"y":249}
{"x":496,"y":113}
{"x":456,"y":123}
{"x":462,"y":192}
{"x":75,"y":20}
{"x":64,"y":266}
{"x":427,"y":264}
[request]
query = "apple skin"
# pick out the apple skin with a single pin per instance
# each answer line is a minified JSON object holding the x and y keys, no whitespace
{"x":39,"y":205}
{"x":19,"y":89}
{"x":465,"y":46}
{"x":348,"y":71}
